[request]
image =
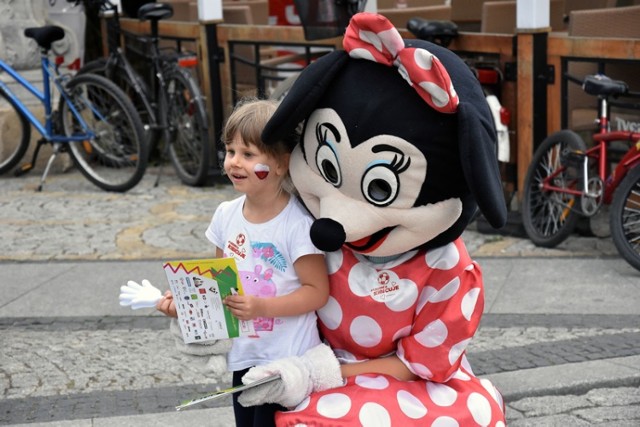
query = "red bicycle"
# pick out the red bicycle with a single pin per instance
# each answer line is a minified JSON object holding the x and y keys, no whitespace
{"x":567,"y":180}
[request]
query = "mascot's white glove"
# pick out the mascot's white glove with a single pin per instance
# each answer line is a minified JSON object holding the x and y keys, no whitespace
{"x":316,"y":370}
{"x":139,"y":296}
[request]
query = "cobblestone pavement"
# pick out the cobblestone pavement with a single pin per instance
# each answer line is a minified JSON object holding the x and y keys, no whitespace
{"x":82,"y":367}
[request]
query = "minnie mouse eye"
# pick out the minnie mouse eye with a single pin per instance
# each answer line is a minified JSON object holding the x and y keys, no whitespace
{"x":380,"y":185}
{"x":327,"y":163}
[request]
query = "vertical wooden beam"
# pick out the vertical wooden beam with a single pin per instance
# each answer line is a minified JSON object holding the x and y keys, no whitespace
{"x":525,"y":106}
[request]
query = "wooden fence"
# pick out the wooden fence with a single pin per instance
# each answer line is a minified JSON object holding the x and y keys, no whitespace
{"x":515,"y":54}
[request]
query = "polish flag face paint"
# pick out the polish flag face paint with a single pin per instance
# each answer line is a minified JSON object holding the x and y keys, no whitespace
{"x":261,"y":171}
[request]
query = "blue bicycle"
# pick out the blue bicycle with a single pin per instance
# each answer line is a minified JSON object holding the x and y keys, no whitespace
{"x":95,"y":123}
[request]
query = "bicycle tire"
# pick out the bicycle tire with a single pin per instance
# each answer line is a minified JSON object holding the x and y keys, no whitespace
{"x":624,"y":217}
{"x":189,"y":147}
{"x":549,"y":218}
{"x":116,"y":158}
{"x":15,"y":135}
{"x":140,"y":98}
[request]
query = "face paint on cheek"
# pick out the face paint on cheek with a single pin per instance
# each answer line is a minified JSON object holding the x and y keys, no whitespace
{"x":261,"y":171}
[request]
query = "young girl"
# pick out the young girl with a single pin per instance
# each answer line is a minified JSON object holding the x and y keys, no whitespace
{"x":266,"y":230}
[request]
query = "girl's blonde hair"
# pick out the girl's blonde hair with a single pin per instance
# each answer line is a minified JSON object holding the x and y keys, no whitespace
{"x":248,"y":119}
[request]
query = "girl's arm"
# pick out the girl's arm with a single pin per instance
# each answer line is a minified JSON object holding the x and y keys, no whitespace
{"x":390,"y":365}
{"x":312,"y":294}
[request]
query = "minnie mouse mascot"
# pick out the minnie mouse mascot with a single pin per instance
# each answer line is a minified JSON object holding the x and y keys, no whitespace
{"x":396,"y":155}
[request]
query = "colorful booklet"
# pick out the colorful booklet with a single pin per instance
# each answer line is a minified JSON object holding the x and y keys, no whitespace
{"x":198,"y":288}
{"x":222,"y":393}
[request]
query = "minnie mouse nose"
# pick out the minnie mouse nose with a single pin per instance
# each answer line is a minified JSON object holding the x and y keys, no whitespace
{"x":327,"y":235}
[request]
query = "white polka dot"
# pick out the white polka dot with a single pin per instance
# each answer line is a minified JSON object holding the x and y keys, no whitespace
{"x":423,"y":58}
{"x":334,"y":261}
{"x":421,"y":370}
{"x":361,"y":279}
{"x":302,"y":405}
{"x":334,"y":405}
{"x":374,"y":414}
{"x":469,"y":303}
{"x":365,"y":331}
{"x":452,"y":91}
{"x":433,"y":334}
{"x":439,"y":96}
{"x":465,"y":364}
{"x":401,"y":333}
{"x":410,"y":405}
{"x":446,"y":292}
{"x":372,"y":38}
{"x":500,"y":424}
{"x":425,"y":296}
{"x":361,"y":53}
{"x":493,"y":392}
{"x":331,"y":314}
{"x":441,"y":395}
{"x":373,"y":383}
{"x":459,"y":375}
{"x":480,"y":408}
{"x":405,"y":298}
{"x":457,"y":350}
{"x":445,"y":422}
{"x":300,"y":425}
{"x":444,"y":257}
{"x":392,"y":41}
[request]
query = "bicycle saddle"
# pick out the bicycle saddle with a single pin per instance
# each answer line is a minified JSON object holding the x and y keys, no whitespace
{"x":600,"y":84}
{"x":46,"y":35}
{"x":155,"y":11}
{"x":438,"y":32}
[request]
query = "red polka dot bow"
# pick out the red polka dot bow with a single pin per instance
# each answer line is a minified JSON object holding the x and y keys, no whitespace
{"x":371,"y":36}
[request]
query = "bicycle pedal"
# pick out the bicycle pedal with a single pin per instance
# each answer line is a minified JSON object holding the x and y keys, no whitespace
{"x":23,"y":169}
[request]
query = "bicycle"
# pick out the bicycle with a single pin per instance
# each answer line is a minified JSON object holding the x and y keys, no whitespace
{"x":172,"y":107}
{"x":566,"y":180}
{"x":95,"y":122}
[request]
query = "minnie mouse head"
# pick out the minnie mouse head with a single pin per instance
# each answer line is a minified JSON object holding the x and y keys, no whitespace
{"x":398,"y":146}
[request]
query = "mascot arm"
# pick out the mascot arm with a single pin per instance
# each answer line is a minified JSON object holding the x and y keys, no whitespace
{"x":444,"y":326}
{"x":316,"y":370}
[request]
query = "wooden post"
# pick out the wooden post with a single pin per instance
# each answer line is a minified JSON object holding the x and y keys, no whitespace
{"x":532,"y":33}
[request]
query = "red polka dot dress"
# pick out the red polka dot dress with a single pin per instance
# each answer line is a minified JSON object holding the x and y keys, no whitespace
{"x":425,"y":307}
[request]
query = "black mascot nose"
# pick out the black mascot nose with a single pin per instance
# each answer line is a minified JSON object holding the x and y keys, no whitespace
{"x":327,"y":235}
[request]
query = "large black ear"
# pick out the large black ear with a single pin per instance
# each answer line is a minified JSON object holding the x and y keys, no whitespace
{"x":476,"y":139}
{"x":303,"y":96}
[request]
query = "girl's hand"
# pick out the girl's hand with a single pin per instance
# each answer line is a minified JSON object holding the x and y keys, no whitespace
{"x":245,"y":307}
{"x":167,"y":305}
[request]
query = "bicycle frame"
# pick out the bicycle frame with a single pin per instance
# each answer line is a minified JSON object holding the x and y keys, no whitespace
{"x":49,"y":75}
{"x":598,"y":152}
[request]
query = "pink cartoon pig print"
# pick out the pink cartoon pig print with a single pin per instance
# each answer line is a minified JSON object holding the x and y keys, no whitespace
{"x":262,"y":286}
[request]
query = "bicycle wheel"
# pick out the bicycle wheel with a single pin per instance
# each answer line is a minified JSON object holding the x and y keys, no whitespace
{"x":138,"y":93}
{"x":116,"y":158}
{"x":189,"y":147}
{"x":15,"y":134}
{"x":549,"y":217}
{"x":624,"y":217}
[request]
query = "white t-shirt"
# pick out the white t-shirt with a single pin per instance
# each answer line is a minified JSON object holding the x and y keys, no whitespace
{"x":265,"y":254}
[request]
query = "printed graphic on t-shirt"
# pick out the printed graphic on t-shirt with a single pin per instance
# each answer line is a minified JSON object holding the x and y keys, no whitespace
{"x":259,"y":284}
{"x":269,"y":253}
{"x":236,"y":249}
